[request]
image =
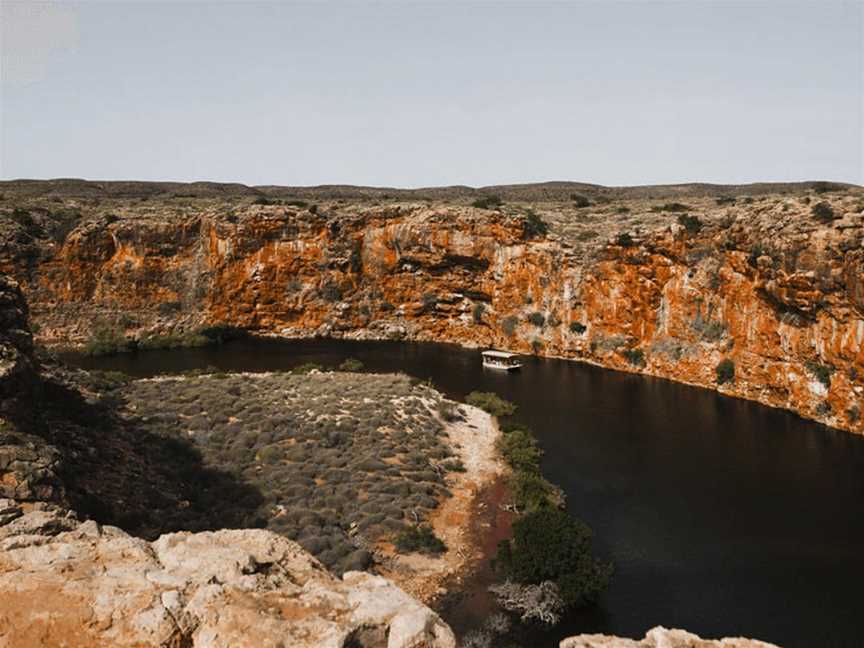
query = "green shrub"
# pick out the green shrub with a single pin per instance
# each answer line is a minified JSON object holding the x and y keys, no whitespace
{"x":725,"y":200}
{"x":635,"y":357}
{"x":725,"y":371}
{"x":509,"y":324}
{"x":824,"y":408}
{"x":578,"y":328}
{"x":580,"y":201}
{"x":108,"y":341}
{"x":536,"y":318}
{"x":533,"y":226}
{"x":221,"y":333}
{"x":821,"y":372}
{"x":351,"y":364}
{"x":419,"y":539}
{"x":853,"y":414}
{"x":306,"y":367}
{"x":520,"y":450}
{"x":690,"y":223}
{"x":487,"y":202}
{"x":624,"y":240}
{"x":674,"y":207}
{"x":477,"y":313}
{"x":491,"y":402}
{"x":429,"y":301}
{"x":823,"y":212}
{"x":331,"y":292}
{"x":549,"y":545}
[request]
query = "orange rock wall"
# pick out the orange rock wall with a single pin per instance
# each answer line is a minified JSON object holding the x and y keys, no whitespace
{"x":685,"y":301}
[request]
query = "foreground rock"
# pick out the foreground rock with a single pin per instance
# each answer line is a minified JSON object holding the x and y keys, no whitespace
{"x":660,"y":637}
{"x":66,"y":583}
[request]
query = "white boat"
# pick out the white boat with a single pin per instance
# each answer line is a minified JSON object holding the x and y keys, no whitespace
{"x":501,"y":360}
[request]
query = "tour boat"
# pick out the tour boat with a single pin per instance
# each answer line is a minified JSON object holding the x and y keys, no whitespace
{"x":501,"y":360}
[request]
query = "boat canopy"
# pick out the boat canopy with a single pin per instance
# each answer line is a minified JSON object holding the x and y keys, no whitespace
{"x":504,"y":355}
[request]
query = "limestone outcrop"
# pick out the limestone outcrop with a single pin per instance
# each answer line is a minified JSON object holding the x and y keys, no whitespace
{"x":660,"y":637}
{"x":68,"y":583}
{"x":758,"y":298}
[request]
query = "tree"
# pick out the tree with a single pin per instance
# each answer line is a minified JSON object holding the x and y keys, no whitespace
{"x":549,"y":545}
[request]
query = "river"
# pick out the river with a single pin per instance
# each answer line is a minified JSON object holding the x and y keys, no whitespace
{"x":722,"y":516}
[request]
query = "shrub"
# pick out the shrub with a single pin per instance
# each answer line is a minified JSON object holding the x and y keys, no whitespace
{"x":536,"y":319}
{"x":824,"y":408}
{"x":306,"y":367}
{"x":853,"y":414}
{"x":449,"y":411}
{"x":821,"y":372}
{"x":520,"y":450}
{"x":675,"y":207}
{"x":690,"y":223}
{"x":622,"y":210}
{"x":823,"y":212}
{"x":580,"y":201}
{"x":635,"y":357}
{"x":578,"y":328}
{"x":477,"y":313}
{"x":725,"y":371}
{"x":419,"y":538}
{"x":549,"y":545}
{"x":624,"y":240}
{"x":533,"y":226}
{"x":351,"y":364}
{"x":261,"y":200}
{"x":107,"y":341}
{"x":386,"y":306}
{"x":487,"y":202}
{"x":429,"y":301}
{"x":822,"y":187}
{"x":491,"y":402}
{"x":725,"y":200}
{"x":331,"y":292}
{"x":531,"y":491}
{"x":509,"y":324}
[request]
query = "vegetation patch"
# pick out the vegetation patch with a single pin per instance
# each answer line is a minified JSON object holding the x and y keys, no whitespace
{"x":725,"y":371}
{"x":341,"y":460}
{"x":491,"y":402}
{"x":419,"y":538}
{"x":821,"y":372}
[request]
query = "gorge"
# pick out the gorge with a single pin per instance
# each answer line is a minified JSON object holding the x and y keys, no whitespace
{"x":754,"y":292}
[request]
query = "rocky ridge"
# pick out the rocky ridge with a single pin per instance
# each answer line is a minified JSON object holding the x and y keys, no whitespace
{"x":760,"y":298}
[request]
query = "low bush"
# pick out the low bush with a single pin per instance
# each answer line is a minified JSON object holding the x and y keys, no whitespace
{"x":307,"y":367}
{"x":487,"y":202}
{"x":477,"y":313}
{"x":635,"y":357}
{"x":725,"y":200}
{"x":419,"y":538}
{"x":351,"y":364}
{"x":625,"y":240}
{"x":491,"y":403}
{"x":823,"y":212}
{"x":821,"y":372}
{"x":578,"y":328}
{"x":509,"y":325}
{"x":691,"y":224}
{"x":534,"y":226}
{"x":725,"y":371}
{"x":108,"y":341}
{"x":580,"y":201}
{"x":536,"y":318}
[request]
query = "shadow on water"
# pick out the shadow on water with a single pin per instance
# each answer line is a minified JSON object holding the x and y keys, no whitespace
{"x":722,"y":516}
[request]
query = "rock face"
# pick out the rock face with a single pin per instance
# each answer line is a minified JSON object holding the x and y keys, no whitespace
{"x":763,"y":287}
{"x":661,"y":638}
{"x":63,"y":583}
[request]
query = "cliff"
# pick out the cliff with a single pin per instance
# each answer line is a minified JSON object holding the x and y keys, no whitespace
{"x":760,"y":297}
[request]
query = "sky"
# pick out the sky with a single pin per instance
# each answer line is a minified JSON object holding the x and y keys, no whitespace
{"x":410,"y":94}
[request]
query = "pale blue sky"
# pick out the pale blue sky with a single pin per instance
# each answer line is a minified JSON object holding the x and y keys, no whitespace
{"x":418,"y":94}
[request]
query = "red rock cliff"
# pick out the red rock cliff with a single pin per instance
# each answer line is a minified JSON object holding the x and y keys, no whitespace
{"x":761,"y":298}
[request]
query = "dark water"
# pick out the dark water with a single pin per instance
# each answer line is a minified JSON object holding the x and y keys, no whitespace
{"x":722,"y":516}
